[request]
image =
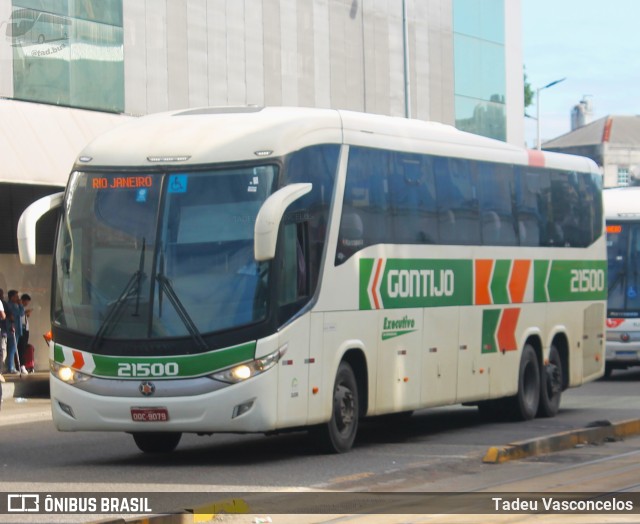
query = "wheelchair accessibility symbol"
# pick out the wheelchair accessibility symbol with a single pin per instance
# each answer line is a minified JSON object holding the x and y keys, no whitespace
{"x":178,"y":184}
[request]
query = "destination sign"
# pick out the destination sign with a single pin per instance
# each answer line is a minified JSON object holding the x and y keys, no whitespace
{"x":121,"y":182}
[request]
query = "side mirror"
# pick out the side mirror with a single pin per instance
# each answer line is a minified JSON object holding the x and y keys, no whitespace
{"x":270,"y":216}
{"x":27,"y":225}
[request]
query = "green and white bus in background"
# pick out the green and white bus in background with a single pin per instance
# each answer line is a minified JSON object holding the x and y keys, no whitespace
{"x":267,"y":269}
{"x":622,"y":212}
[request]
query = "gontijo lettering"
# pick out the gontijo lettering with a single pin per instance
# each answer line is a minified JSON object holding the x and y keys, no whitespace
{"x":420,"y":283}
{"x":125,"y":182}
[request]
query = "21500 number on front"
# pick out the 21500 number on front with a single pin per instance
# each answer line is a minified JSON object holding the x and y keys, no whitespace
{"x":148,"y":369}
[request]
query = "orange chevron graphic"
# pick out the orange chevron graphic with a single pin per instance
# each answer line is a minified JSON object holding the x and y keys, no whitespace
{"x":518,"y":281}
{"x":483,"y":279}
{"x":507,"y":329}
{"x":78,"y":360}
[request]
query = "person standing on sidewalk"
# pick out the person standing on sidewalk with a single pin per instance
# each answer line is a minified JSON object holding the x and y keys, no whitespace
{"x":14,"y":329}
{"x":3,"y":331}
{"x":23,"y":340}
{"x":3,"y":316}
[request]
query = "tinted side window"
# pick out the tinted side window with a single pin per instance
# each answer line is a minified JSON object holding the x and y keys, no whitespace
{"x":588,"y":188}
{"x":412,"y":194}
{"x":316,"y":164}
{"x":404,"y":198}
{"x":365,"y":209}
{"x":458,"y":213}
{"x":495,"y":188}
{"x":532,"y":193}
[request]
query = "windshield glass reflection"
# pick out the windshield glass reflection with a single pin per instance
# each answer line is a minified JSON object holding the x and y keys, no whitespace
{"x":134,"y":264}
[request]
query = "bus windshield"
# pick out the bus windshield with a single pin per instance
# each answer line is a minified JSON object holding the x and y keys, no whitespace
{"x":623,"y":246}
{"x":161,"y":255}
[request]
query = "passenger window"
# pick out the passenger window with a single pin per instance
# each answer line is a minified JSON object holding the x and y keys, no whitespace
{"x":318,"y":165}
{"x":532,"y":196}
{"x":565,"y":206}
{"x":365,"y":219}
{"x":458,"y":214}
{"x":413,"y":200}
{"x":495,"y":185}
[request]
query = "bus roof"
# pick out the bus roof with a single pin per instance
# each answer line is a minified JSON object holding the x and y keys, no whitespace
{"x":622,"y":203}
{"x":225,"y":134}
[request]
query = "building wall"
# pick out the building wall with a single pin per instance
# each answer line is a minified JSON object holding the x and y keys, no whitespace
{"x":619,"y":158}
{"x":344,"y":54}
{"x":145,"y":56}
{"x":515,"y":73}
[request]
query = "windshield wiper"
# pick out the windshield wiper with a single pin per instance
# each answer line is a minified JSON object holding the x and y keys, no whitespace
{"x":116,"y":307}
{"x":165,"y":285}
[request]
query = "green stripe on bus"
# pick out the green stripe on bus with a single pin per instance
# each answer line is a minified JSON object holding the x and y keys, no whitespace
{"x":499,"y":282}
{"x":540,"y":270}
{"x":426,"y":283}
{"x":366,"y":268}
{"x":178,"y":366}
{"x":490,"y":319}
{"x":577,"y":280}
{"x":58,"y":354}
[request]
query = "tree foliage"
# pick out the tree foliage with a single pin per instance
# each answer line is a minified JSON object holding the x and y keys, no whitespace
{"x":528,"y":92}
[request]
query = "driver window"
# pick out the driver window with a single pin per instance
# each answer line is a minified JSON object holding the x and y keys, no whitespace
{"x":294,"y":282}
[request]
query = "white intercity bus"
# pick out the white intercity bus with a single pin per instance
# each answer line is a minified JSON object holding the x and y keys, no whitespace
{"x":267,"y":269}
{"x":622,"y":213}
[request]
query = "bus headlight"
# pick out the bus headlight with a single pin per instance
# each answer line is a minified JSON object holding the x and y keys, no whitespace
{"x":67,"y":374}
{"x":250,"y":369}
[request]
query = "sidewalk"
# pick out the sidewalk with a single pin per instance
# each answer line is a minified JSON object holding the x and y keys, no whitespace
{"x":33,"y":385}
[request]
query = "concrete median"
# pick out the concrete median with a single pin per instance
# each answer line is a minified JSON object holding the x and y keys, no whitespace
{"x":595,"y":433}
{"x":32,"y":385}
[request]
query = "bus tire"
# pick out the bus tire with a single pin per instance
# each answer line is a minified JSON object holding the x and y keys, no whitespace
{"x":159,"y":442}
{"x":337,"y":435}
{"x":524,"y":405}
{"x":551,"y":385}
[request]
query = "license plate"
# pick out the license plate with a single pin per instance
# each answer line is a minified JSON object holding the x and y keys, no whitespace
{"x":150,"y":414}
{"x":627,"y":354}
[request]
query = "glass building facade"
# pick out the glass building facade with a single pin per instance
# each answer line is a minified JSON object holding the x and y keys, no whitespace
{"x":68,"y":52}
{"x":480,"y":67}
{"x":195,"y":53}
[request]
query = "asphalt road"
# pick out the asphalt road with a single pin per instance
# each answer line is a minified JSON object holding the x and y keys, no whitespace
{"x":435,"y":450}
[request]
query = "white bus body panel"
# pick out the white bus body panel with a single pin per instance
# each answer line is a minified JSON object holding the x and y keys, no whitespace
{"x":439,"y":362}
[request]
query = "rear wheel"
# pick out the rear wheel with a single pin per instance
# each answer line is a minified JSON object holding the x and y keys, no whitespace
{"x":157,"y":442}
{"x":337,"y":435}
{"x":524,"y":405}
{"x":551,"y":385}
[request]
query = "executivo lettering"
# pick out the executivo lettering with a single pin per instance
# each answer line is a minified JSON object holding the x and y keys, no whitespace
{"x":404,"y":323}
{"x":396,"y":327}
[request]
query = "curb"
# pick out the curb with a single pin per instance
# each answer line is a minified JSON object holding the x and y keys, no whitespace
{"x":8,"y":389}
{"x":205,"y":513}
{"x":29,"y":386}
{"x":601,"y":431}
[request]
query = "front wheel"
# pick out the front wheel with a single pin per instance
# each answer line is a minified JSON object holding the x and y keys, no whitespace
{"x":551,"y":385}
{"x":157,"y":442}
{"x":337,"y":435}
